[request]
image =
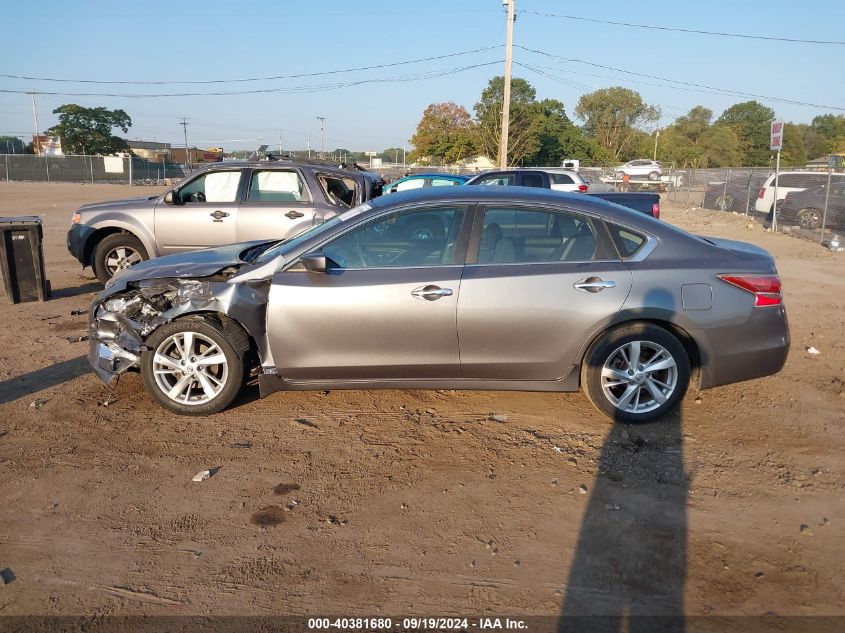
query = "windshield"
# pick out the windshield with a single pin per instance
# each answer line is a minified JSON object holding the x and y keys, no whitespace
{"x":287,"y":245}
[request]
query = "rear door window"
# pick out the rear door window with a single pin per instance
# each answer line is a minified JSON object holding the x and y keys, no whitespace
{"x":533,"y":179}
{"x":497,"y":179}
{"x":277,"y":186}
{"x":561,"y":179}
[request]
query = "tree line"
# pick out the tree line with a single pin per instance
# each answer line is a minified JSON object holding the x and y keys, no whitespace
{"x":616,"y":125}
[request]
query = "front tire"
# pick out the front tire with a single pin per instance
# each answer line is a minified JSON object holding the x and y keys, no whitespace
{"x":653,"y":176}
{"x":116,"y":252}
{"x":636,"y":373}
{"x":725,"y":203}
{"x":192,"y":367}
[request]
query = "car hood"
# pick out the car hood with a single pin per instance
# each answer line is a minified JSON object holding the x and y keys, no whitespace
{"x":116,"y":204}
{"x":189,"y":264}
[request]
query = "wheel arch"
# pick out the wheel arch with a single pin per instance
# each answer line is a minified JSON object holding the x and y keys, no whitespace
{"x":691,"y":346}
{"x":112,"y":227}
{"x":238,"y":334}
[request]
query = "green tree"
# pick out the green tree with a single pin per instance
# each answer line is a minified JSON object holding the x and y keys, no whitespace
{"x":750,"y":121}
{"x":13,"y":145}
{"x":719,"y":146}
{"x":445,"y":132}
{"x":89,"y":130}
{"x":392,"y":155}
{"x":815,"y":144}
{"x":794,"y":154}
{"x":694,"y":123}
{"x":523,"y":123}
{"x":613,"y":116}
{"x":560,"y":139}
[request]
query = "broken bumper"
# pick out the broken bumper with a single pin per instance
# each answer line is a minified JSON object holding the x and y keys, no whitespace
{"x":113,"y":344}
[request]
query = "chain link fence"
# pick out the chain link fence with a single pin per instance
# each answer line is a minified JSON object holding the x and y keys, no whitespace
{"x":810,"y":204}
{"x":93,"y":169}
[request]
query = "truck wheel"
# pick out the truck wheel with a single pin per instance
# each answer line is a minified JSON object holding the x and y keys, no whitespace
{"x":117,"y":252}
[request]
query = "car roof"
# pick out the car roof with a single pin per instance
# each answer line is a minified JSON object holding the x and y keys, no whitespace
{"x":485,"y":194}
{"x":435,"y":174}
{"x":280,"y":164}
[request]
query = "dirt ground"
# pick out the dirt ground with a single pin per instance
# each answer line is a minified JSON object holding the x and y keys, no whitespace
{"x":412,"y":503}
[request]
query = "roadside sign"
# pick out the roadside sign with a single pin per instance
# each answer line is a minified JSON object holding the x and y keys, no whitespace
{"x":776,"y":138}
{"x":370,"y":153}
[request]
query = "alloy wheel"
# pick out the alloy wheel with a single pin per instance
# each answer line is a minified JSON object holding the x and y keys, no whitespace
{"x":639,"y":377}
{"x":190,"y":368}
{"x":120,"y":258}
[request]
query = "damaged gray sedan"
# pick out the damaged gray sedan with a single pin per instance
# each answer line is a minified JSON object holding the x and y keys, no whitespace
{"x":505,"y":288}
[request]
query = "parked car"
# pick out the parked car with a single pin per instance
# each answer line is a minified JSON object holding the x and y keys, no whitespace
{"x":219,"y":204}
{"x":789,"y":182}
{"x":546,"y":178}
{"x":806,"y":208}
{"x":596,"y":184}
{"x":528,"y":289}
{"x":638,"y":169}
{"x":739,"y":190}
{"x":421,"y":181}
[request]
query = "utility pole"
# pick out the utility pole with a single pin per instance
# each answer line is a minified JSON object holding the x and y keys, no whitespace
{"x":322,"y":120}
{"x":506,"y":103}
{"x":309,"y":146}
{"x":280,"y":142}
{"x":656,"y":135}
{"x":37,"y":133}
{"x":184,"y":125}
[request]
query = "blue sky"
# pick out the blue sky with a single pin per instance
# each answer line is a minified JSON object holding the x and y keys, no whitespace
{"x":214,"y":39}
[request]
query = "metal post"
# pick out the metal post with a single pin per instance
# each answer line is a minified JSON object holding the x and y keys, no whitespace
{"x":775,"y":204}
{"x":129,"y":158}
{"x":184,"y":125}
{"x":91,"y":163}
{"x":7,"y":168}
{"x":689,"y":178}
{"x":725,"y":192}
{"x":826,"y":200}
{"x":322,"y":121}
{"x":748,"y":193}
{"x":506,"y":100}
{"x":309,"y":146}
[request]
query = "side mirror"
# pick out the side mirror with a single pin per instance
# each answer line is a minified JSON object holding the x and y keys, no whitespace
{"x":314,"y":262}
{"x":172,"y":197}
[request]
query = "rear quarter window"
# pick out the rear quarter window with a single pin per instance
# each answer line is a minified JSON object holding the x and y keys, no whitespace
{"x":628,"y":242}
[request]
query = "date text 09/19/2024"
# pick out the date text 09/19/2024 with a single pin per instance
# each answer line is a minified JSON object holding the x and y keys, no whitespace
{"x":421,"y":624}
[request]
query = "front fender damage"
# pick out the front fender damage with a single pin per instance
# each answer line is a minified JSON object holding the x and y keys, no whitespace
{"x":121,"y":323}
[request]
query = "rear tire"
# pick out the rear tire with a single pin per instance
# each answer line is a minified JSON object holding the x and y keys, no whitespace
{"x":653,"y":176}
{"x":620,"y":175}
{"x":624,"y":388}
{"x":809,"y":218}
{"x":116,"y":252}
{"x":193,"y":367}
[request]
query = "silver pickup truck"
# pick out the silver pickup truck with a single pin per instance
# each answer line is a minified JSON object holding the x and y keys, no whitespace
{"x":219,"y":204}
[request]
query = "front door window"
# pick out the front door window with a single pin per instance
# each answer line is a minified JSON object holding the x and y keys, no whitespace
{"x":215,"y":186}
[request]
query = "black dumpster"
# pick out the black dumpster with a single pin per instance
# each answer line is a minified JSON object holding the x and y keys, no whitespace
{"x":22,"y":259}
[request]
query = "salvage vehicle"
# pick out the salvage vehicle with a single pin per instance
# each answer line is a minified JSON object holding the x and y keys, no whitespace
{"x":219,"y":204}
{"x":421,"y":181}
{"x":563,"y":180}
{"x":527,"y":289}
{"x":637,"y":169}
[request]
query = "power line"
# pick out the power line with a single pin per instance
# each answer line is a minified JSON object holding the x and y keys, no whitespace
{"x":681,"y":30}
{"x":300,"y":89}
{"x":251,"y":79}
{"x":706,"y":89}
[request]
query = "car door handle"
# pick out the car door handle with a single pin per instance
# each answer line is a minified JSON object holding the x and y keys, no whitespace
{"x":431,"y":292}
{"x":294,"y":214}
{"x":593,"y":284}
{"x":219,"y":215}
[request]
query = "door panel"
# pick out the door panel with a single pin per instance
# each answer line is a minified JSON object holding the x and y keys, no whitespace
{"x":364,"y":324}
{"x":207,"y":218}
{"x":528,"y":321}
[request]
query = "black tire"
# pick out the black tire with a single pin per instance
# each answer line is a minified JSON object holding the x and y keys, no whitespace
{"x":233,"y":342}
{"x":809,"y":218}
{"x":605,"y":350}
{"x":620,"y":175}
{"x":109,"y":246}
{"x":653,"y":176}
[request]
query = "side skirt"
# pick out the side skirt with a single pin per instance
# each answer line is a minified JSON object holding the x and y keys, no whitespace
{"x":270,"y":383}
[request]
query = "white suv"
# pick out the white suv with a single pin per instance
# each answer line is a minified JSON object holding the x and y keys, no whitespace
{"x":638,"y":168}
{"x":788,"y":182}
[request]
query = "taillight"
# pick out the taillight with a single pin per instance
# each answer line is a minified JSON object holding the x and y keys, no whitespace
{"x":762,"y":193}
{"x":655,"y":210}
{"x":765,"y":288}
{"x":583,"y":188}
